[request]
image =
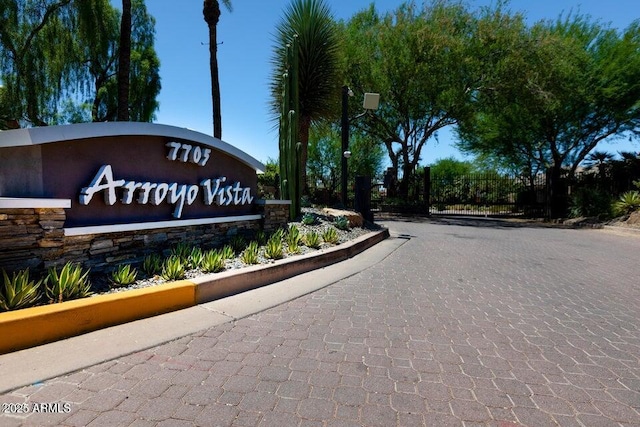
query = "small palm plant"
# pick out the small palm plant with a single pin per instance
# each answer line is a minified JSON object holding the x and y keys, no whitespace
{"x":68,"y":283}
{"x":19,"y":291}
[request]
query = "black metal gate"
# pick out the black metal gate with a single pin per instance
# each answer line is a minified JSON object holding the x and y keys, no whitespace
{"x":486,"y":195}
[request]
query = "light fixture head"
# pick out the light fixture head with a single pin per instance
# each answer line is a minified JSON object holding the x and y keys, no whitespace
{"x":347,"y":154}
{"x":371,"y":101}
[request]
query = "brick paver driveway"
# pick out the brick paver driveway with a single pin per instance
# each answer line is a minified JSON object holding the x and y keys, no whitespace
{"x":465,"y":324}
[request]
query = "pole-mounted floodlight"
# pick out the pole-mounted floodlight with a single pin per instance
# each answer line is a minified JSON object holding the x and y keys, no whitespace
{"x":371,"y":102}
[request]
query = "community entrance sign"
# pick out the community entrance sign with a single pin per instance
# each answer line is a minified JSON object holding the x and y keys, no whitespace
{"x":126,"y":172}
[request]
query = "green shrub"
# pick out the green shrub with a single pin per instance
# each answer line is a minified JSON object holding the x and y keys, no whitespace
{"x":250,"y":254}
{"x":627,"y":203}
{"x":173,"y":268}
{"x":273,"y":248}
{"x":68,"y":283}
{"x":19,"y":291}
{"x":312,"y":240}
{"x":589,"y":202}
{"x":330,"y":235}
{"x":124,"y":275}
{"x":341,"y":222}
{"x":309,"y":219}
{"x":213,"y":261}
{"x":152,"y":264}
{"x":293,"y":236}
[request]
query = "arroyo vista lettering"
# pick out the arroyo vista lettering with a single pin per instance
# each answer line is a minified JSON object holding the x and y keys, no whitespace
{"x":214,"y":192}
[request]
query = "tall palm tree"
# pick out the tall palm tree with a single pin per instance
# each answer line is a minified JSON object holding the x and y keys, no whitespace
{"x":211,"y":12}
{"x":124,"y":62}
{"x":318,"y":66}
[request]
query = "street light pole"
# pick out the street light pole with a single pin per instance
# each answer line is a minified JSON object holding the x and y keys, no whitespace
{"x":345,"y":142}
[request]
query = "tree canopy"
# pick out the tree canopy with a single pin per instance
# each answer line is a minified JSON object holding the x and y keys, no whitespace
{"x":58,"y":62}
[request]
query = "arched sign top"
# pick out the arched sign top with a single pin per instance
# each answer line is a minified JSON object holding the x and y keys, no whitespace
{"x":82,"y":131}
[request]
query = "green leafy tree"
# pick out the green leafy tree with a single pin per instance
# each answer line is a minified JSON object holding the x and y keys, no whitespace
{"x":34,"y":72}
{"x":552,"y":93}
{"x":451,"y":166}
{"x":86,"y":87}
{"x":211,"y":12}
{"x":415,"y":58}
{"x":318,"y":67}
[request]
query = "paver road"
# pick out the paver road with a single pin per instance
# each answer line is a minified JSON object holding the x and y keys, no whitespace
{"x":466,"y":324}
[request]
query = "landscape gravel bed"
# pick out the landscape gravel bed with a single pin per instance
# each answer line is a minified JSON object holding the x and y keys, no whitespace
{"x":323,"y":222}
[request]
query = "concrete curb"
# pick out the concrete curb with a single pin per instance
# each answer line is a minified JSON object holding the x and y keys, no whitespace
{"x":44,"y":324}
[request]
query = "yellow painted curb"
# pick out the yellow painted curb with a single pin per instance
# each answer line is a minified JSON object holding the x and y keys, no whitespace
{"x":38,"y":325}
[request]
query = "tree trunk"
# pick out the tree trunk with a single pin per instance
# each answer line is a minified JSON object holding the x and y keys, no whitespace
{"x":211,"y":12}
{"x":124,"y":62}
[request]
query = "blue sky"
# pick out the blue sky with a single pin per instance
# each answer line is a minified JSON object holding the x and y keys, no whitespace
{"x":244,"y":62}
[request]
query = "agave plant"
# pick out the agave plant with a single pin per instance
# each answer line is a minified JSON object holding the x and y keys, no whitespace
{"x":273,"y":249}
{"x":341,"y":222}
{"x":309,"y":219}
{"x":238,"y":243}
{"x":152,"y":264}
{"x":19,"y":291}
{"x":250,"y":254}
{"x":173,"y":268}
{"x":182,"y":250}
{"x":196,"y":256}
{"x":213,"y":261}
{"x":628,"y":203}
{"x":278,"y":234}
{"x":68,"y":283}
{"x":261,"y":237}
{"x":124,"y":275}
{"x":312,"y":240}
{"x":293,"y":236}
{"x":227,"y":252}
{"x":330,"y":235}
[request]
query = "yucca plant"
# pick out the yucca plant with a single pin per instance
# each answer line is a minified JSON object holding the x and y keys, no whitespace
{"x":68,"y":283}
{"x":19,"y":291}
{"x":152,"y":264}
{"x":123,"y":275}
{"x":627,"y":203}
{"x":227,"y":252}
{"x":173,"y":268}
{"x":213,"y":261}
{"x":341,"y":222}
{"x":312,"y":240}
{"x":308,"y":219}
{"x":196,"y":256}
{"x":273,"y":249}
{"x":250,"y":254}
{"x":330,"y":235}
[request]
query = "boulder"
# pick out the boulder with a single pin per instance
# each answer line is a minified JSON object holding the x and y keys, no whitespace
{"x":355,"y":218}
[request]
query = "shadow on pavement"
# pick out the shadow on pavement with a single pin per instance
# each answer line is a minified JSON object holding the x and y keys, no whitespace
{"x":471,"y":221}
